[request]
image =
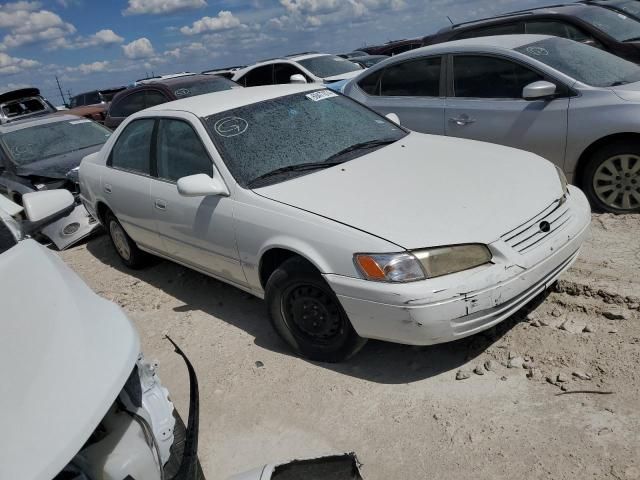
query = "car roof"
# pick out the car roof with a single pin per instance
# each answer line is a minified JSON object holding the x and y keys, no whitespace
{"x":495,"y":43}
{"x":216,"y":102}
{"x":39,"y":120}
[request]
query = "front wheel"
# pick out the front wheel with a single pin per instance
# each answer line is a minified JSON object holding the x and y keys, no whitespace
{"x":611,"y":178}
{"x":307,"y":314}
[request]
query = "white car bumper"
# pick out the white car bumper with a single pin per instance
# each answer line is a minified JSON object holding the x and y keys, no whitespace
{"x":455,"y":306}
{"x":71,"y":229}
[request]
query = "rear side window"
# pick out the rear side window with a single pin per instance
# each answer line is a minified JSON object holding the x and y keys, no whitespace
{"x":259,"y":76}
{"x":414,"y":78}
{"x":506,"y":29}
{"x":132,"y":150}
{"x":490,"y":77}
{"x":180,"y":152}
{"x":128,"y":105}
{"x":153,"y":98}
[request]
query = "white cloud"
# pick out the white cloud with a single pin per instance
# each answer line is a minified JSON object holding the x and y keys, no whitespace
{"x":138,"y":7}
{"x":140,"y":48}
{"x":87,"y":68}
{"x":28,"y":25}
{"x":101,"y":38}
{"x":224,"y":21}
{"x":12,"y":65}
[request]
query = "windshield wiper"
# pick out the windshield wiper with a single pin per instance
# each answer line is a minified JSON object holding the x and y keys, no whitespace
{"x":363,"y":146}
{"x":302,"y":167}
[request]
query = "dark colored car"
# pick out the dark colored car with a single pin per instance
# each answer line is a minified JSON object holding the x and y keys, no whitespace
{"x":94,"y":104}
{"x":626,"y":7}
{"x":585,"y":23}
{"x":367,"y":61}
{"x":394,"y":47}
{"x":154,"y":93}
{"x":355,"y":53}
{"x":23,"y":103}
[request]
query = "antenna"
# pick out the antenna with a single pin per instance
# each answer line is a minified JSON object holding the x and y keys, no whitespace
{"x":64,"y":102}
{"x":449,"y":18}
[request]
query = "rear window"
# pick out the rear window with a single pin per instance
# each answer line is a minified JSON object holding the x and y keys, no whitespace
{"x":23,"y":107}
{"x":201,"y":87}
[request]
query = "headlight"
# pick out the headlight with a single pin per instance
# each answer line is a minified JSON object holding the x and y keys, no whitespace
{"x":421,"y":264}
{"x":563,"y":181}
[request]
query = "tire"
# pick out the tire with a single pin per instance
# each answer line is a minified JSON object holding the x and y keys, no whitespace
{"x":173,"y":464}
{"x":124,"y":246}
{"x":611,"y":178}
{"x":325,"y":334}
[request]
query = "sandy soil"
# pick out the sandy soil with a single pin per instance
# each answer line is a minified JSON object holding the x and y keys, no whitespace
{"x":401,"y":408}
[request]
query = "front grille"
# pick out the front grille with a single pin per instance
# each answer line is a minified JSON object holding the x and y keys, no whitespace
{"x":530,"y":234}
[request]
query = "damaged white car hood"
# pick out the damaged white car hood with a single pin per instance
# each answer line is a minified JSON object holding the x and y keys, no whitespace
{"x":66,"y":354}
{"x":428,"y":190}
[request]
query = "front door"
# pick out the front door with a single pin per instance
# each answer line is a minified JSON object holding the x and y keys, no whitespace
{"x":194,"y":230}
{"x":485,"y":103}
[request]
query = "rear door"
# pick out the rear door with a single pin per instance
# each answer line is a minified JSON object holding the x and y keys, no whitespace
{"x":194,"y":230}
{"x":485,"y":103}
{"x":412,"y":90}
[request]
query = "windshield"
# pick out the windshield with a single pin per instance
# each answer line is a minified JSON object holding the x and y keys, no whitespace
{"x":615,"y":24}
{"x":300,"y":129}
{"x":35,"y":143}
{"x":329,"y":66}
{"x":192,"y":88}
{"x":632,"y":7}
{"x":586,"y":64}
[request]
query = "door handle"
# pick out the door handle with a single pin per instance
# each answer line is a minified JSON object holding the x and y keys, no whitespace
{"x":462,"y":120}
{"x":107,"y":188}
{"x":160,"y":204}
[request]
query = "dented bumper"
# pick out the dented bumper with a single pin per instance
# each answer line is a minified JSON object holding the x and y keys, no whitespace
{"x":455,"y":306}
{"x":69,"y":230}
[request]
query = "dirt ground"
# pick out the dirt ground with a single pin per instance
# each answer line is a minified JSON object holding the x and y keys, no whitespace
{"x":572,"y":412}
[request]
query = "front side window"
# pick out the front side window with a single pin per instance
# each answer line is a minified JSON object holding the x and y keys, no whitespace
{"x":586,"y":64}
{"x":259,"y":76}
{"x":128,"y":105}
{"x":275,"y":140}
{"x":132,"y":150}
{"x":39,"y":142}
{"x":329,"y":66}
{"x":413,"y":78}
{"x":282,"y":72}
{"x":371,"y":83}
{"x":153,"y":98}
{"x":490,"y":77}
{"x":179,"y":151}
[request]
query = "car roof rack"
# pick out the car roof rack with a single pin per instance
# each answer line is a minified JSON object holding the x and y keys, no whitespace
{"x":515,"y":13}
{"x":298,"y":54}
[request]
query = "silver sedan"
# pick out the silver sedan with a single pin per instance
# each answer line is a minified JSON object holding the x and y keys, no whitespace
{"x":573,"y":104}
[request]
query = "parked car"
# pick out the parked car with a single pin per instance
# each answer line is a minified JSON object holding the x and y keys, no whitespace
{"x":573,"y":104}
{"x":626,"y":7}
{"x":43,"y":153}
{"x":23,"y":103}
{"x":160,"y":91}
{"x":367,"y":61}
{"x":334,"y":215}
{"x":84,"y":403}
{"x":355,"y":53}
{"x":94,"y":104}
{"x":226,"y":72}
{"x":585,"y":23}
{"x":393,"y":47}
{"x":305,"y":68}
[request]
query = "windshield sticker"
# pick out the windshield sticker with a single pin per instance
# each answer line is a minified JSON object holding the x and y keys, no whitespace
{"x":182,"y":92}
{"x":537,"y":51}
{"x":76,"y":122}
{"x":231,"y":126}
{"x":320,"y":95}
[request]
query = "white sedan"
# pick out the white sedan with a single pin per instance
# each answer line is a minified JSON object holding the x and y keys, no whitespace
{"x":348,"y":225}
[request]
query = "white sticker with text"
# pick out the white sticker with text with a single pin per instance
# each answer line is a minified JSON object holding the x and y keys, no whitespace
{"x":321,"y":95}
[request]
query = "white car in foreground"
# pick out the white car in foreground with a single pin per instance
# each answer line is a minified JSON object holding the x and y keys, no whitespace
{"x":349,"y":226}
{"x":79,"y":401}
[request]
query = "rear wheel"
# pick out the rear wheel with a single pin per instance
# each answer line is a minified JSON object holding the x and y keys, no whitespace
{"x":307,"y":314}
{"x":126,"y":248}
{"x":611,"y":178}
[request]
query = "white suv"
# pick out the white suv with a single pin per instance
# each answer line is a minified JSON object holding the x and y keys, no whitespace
{"x":299,"y":68}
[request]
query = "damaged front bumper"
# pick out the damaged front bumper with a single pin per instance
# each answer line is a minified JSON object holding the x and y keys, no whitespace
{"x":455,"y":306}
{"x":69,"y":230}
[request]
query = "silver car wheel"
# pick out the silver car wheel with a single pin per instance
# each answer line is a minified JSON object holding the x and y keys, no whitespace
{"x":120,"y":240}
{"x":616,"y":182}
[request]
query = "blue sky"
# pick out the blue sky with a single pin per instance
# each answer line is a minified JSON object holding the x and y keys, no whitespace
{"x":102,"y":43}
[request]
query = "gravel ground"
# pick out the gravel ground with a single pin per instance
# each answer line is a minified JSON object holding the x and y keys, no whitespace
{"x":570,"y":412}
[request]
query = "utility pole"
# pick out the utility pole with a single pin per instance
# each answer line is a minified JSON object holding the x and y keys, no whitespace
{"x":64,"y":102}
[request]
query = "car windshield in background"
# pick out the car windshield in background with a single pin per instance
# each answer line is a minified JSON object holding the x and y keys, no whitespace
{"x":614,"y":24}
{"x":295,"y":135}
{"x":32,"y":144}
{"x":329,"y":66}
{"x":586,"y":64}
{"x":200,"y":87}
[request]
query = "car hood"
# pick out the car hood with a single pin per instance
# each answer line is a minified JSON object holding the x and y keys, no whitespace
{"x":58,"y":166}
{"x":428,"y":190}
{"x":343,"y":76}
{"x":66,"y":352}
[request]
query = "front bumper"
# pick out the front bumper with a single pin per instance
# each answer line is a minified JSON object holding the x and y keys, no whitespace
{"x":455,"y":306}
{"x":71,"y":229}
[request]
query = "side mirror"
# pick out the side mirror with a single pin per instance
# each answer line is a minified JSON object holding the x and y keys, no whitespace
{"x":297,"y":78}
{"x":46,"y":207}
{"x":393,"y":117}
{"x":539,"y":90}
{"x":201,"y":185}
